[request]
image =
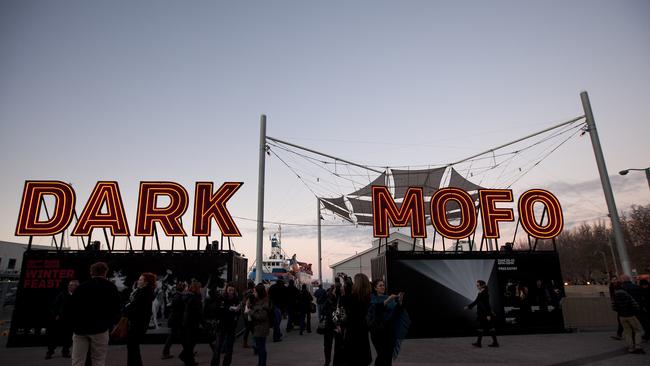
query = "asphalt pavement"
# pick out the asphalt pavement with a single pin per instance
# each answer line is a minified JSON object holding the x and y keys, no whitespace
{"x":568,"y":349}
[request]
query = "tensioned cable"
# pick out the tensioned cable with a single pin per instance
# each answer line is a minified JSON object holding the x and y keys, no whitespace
{"x":288,"y":223}
{"x":531,"y":163}
{"x":313,"y":161}
{"x":545,"y":156}
{"x":294,"y":172}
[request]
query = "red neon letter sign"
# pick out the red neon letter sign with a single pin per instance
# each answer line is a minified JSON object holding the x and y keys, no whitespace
{"x":384,"y":207}
{"x":92,"y":217}
{"x":30,"y":207}
{"x":491,"y":215}
{"x":168,"y":217}
{"x":439,"y":218}
{"x":208,"y":206}
{"x":527,"y":214}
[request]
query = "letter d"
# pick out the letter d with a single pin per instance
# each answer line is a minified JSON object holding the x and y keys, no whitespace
{"x":29,"y":223}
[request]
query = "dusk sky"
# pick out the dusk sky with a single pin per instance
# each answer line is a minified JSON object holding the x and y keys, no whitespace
{"x":170,"y":90}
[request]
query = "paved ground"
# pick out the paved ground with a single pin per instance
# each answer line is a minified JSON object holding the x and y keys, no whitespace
{"x":549,"y":349}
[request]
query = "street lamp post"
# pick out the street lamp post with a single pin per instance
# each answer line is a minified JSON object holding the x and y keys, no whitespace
{"x":646,"y":170}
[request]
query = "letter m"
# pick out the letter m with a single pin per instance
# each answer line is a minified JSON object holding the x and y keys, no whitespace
{"x":411,"y":210}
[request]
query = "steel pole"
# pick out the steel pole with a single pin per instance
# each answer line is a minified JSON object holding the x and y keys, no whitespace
{"x":611,"y":249}
{"x":260,"y":202}
{"x":607,"y":186}
{"x":320,"y":258}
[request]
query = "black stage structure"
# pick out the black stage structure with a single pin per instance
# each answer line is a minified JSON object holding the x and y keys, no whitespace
{"x":525,"y":289}
{"x":46,"y":273}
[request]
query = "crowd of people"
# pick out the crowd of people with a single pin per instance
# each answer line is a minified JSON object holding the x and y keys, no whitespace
{"x":631,"y":302}
{"x":352,"y":314}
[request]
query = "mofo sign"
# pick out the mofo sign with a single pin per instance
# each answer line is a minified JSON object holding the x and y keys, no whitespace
{"x":208,"y":205}
{"x":412,"y":212}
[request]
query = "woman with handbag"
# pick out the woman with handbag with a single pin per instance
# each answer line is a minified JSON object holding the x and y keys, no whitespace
{"x":138,"y":312}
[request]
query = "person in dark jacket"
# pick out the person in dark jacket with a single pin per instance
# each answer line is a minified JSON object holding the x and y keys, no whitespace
{"x":321,"y":296}
{"x":260,"y":313}
{"x":175,"y":320}
{"x":277,"y":297}
{"x":190,"y":325}
{"x":228,"y":313}
{"x":94,"y":309}
{"x":248,"y":325}
{"x":342,"y":291}
{"x":291,"y":299}
{"x":381,"y":320}
{"x":628,"y":308}
{"x":138,"y":311}
{"x":356,"y":345}
{"x":637,"y":294}
{"x":59,"y":332}
{"x":484,"y":314}
{"x":325,"y":318}
{"x":304,"y":308}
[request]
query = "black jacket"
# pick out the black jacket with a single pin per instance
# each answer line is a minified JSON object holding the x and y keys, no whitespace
{"x":278,"y":294}
{"x":138,"y":310}
{"x":624,"y":304}
{"x":304,"y":301}
{"x":94,"y":307}
{"x":482,"y":303}
{"x":193,"y":311}
{"x":291,"y":298}
{"x":356,"y":345}
{"x":228,"y":318}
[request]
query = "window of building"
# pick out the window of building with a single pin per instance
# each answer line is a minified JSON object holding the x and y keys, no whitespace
{"x":12,"y":263}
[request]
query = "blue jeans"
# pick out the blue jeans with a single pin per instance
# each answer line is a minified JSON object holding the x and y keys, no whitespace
{"x":260,"y":346}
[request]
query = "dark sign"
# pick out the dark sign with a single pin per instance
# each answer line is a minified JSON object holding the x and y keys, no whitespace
{"x":45,"y":274}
